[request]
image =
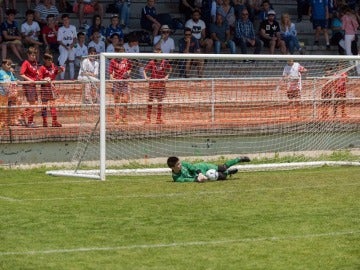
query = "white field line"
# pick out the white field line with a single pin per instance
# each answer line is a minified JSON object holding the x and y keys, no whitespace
{"x":181,"y":244}
{"x":184,"y":194}
{"x":9,"y":199}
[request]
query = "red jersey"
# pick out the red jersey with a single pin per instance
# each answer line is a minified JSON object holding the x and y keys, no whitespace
{"x":48,"y":72}
{"x":30,"y":69}
{"x":158,"y":70}
{"x":120,"y":68}
{"x":50,"y":35}
{"x":340,"y":83}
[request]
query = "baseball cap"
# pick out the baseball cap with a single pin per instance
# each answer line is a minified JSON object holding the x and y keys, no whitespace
{"x":165,"y":27}
{"x":271,"y":12}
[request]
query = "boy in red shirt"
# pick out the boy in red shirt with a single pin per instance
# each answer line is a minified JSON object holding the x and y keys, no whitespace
{"x":159,"y":72}
{"x":48,"y":92}
{"x":29,"y":72}
{"x":120,"y":69}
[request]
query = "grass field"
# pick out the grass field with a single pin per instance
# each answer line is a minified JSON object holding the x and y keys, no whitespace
{"x":302,"y":219}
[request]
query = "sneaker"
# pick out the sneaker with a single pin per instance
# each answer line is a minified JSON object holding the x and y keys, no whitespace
{"x":232,"y":171}
{"x":244,"y":159}
{"x":31,"y":125}
{"x":328,"y":47}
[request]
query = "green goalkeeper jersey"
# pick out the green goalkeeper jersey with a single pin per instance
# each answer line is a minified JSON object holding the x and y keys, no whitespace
{"x":189,"y":172}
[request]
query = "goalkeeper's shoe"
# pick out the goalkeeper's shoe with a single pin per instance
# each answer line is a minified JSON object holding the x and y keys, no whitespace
{"x":232,"y":171}
{"x":244,"y":159}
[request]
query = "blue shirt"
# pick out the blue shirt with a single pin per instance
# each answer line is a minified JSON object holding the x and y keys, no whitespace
{"x":5,"y":76}
{"x":111,"y":30}
{"x":318,"y":9}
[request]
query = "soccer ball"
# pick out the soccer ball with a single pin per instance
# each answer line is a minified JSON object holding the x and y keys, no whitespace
{"x":212,"y":174}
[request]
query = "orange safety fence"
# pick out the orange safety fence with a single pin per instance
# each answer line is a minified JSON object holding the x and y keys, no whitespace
{"x":188,"y":104}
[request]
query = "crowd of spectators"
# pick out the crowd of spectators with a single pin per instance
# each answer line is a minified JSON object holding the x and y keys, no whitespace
{"x":218,"y":26}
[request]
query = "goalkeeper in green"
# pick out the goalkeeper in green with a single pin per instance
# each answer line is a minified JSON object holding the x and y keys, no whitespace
{"x":183,"y":171}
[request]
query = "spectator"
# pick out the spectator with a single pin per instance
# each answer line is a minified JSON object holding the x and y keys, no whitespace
{"x":115,"y":41}
{"x":350,"y":26}
{"x":97,"y":43}
{"x":148,"y":19}
{"x":245,"y":34}
{"x":239,"y":6}
{"x":42,"y":11}
{"x":11,"y":36}
{"x":319,"y":13}
{"x":49,"y":34}
{"x":289,"y":34}
{"x":198,"y":29}
{"x":29,"y":72}
{"x":270,"y":34}
{"x":159,"y":71}
{"x":30,"y":31}
{"x":189,"y":44}
{"x":254,"y":8}
{"x":132,"y":46}
{"x":7,"y":6}
{"x":228,"y":13}
{"x":120,"y":69}
{"x":9,"y":96}
{"x":81,"y":50}
{"x":264,"y":12}
{"x":215,"y":5}
{"x":85,"y":7}
{"x":96,"y":25}
{"x":220,"y":34}
{"x":336,"y":31}
{"x":48,"y":72}
{"x":302,"y":9}
{"x":123,"y":7}
{"x":186,"y":7}
{"x":89,"y":73}
{"x":164,"y":42}
{"x":114,"y":27}
{"x":67,"y":39}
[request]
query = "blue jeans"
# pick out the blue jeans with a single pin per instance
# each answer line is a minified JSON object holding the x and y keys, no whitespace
{"x":230,"y":44}
{"x":292,"y":43}
{"x":124,"y":12}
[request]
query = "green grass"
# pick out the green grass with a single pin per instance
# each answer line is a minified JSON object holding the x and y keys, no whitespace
{"x":302,"y":219}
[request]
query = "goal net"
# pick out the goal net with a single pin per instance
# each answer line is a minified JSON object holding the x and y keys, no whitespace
{"x":204,"y":106}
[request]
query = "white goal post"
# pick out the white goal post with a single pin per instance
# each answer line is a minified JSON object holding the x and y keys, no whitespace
{"x":216,"y":105}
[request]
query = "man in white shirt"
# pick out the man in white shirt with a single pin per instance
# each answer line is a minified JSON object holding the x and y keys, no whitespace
{"x":67,"y":38}
{"x":164,"y":41}
{"x":198,"y":30}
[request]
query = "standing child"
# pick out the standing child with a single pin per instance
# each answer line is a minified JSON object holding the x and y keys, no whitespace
{"x":120,"y":70}
{"x":292,"y":75}
{"x":49,"y":72}
{"x":326,"y":93}
{"x":159,"y":72}
{"x":89,"y":73}
{"x":30,"y":31}
{"x":67,"y":39}
{"x":29,"y":72}
{"x":8,"y":95}
{"x":340,"y":91}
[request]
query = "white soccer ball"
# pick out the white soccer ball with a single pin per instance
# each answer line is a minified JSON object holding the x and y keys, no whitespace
{"x":212,"y":174}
